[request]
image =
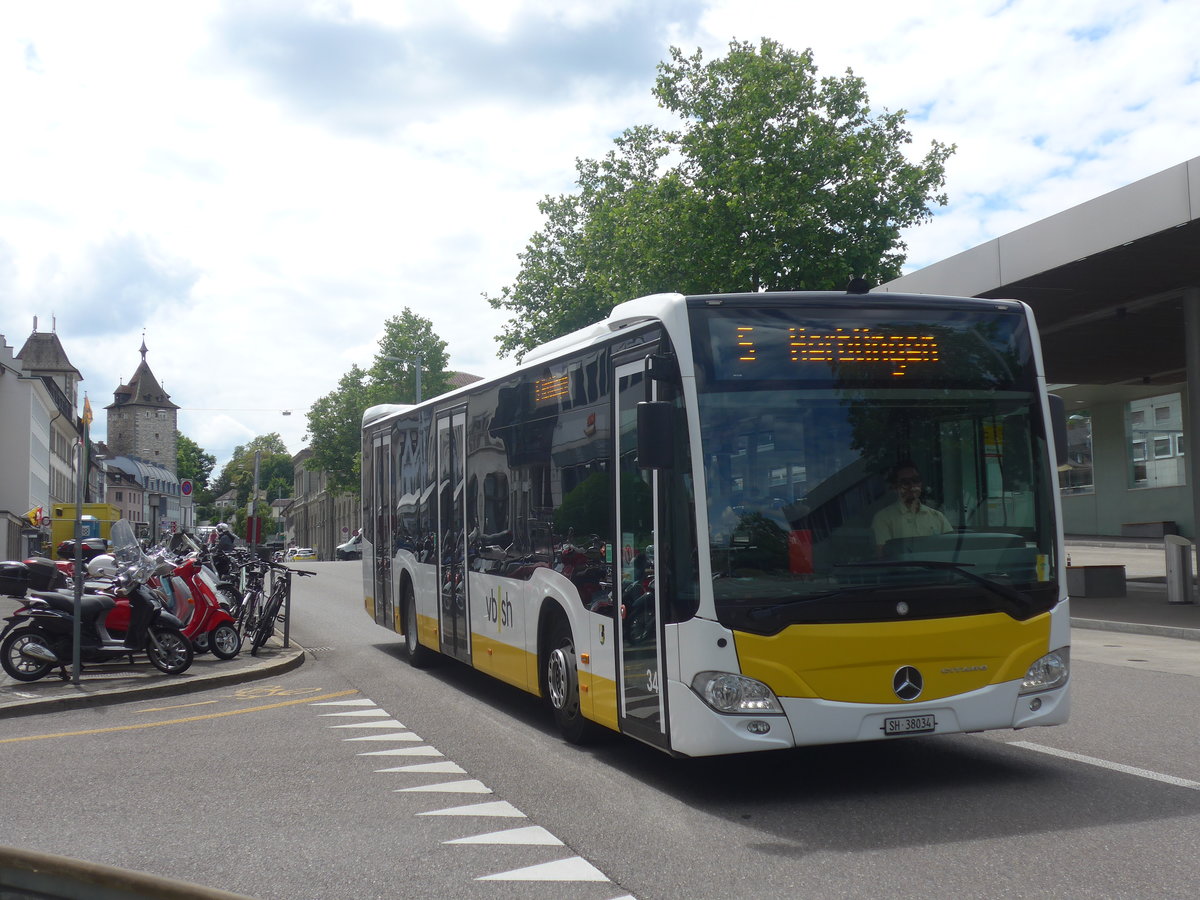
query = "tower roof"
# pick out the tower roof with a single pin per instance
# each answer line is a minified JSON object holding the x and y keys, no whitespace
{"x":43,"y":353}
{"x":142,"y":389}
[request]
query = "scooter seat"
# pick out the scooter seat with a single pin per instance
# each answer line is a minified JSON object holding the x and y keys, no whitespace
{"x":91,"y":606}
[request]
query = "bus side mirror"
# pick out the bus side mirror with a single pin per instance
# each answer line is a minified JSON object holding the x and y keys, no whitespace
{"x":1058,"y":422}
{"x":656,"y":434}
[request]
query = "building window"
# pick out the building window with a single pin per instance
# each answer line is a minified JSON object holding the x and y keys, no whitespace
{"x":1076,"y":476}
{"x":1154,"y":434}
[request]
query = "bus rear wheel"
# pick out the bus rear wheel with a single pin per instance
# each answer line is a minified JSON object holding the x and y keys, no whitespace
{"x":562,"y":684}
{"x":419,"y":656}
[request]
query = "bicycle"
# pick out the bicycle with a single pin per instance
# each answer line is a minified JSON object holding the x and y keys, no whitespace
{"x":280,"y":591}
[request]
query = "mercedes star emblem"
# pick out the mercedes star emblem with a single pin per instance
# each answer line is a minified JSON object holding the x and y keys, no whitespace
{"x":907,"y":683}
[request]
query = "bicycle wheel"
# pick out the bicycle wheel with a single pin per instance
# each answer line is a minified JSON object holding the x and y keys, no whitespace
{"x":266,"y":624}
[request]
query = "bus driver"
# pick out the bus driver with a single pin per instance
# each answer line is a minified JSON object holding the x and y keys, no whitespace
{"x":908,"y":516}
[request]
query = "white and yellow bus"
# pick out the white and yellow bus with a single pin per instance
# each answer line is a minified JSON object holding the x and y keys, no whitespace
{"x":668,"y":524}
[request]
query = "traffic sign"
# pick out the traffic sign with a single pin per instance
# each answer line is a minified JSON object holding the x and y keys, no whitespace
{"x":185,"y":487}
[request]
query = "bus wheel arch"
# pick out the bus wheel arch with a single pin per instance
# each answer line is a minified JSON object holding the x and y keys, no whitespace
{"x":558,"y":674}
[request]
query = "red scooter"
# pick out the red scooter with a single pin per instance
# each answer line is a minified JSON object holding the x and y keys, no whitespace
{"x":207,"y":624}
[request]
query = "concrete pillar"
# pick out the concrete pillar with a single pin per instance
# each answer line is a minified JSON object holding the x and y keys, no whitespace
{"x":1191,"y":421}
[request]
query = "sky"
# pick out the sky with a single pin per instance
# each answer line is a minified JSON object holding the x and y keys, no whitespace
{"x":256,"y":187}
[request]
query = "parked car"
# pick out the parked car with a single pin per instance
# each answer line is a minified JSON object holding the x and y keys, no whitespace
{"x":352,"y":549}
{"x":302,"y":554}
{"x":92,"y":547}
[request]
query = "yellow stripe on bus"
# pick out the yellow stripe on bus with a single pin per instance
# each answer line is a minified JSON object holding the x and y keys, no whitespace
{"x":855,"y":662}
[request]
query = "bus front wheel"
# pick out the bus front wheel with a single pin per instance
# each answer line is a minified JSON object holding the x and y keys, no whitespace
{"x":562,"y":684}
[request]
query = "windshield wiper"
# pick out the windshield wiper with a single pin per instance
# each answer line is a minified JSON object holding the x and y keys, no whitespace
{"x":1011,"y":594}
{"x":761,"y":612}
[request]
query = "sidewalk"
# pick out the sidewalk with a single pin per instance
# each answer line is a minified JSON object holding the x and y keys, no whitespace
{"x":100,"y":685}
{"x":1144,"y":608}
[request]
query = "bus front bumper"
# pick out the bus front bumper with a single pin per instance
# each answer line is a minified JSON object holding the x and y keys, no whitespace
{"x":697,"y":730}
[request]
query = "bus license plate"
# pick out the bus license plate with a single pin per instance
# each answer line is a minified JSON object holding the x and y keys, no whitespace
{"x":909,"y":725}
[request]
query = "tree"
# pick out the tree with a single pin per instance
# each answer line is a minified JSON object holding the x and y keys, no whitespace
{"x":192,"y":462}
{"x":782,"y":181}
{"x":274,"y":469}
{"x":407,"y":339}
{"x":334,"y":424}
{"x":335,"y":420}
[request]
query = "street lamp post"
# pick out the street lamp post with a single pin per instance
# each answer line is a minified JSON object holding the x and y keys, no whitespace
{"x":416,"y":363}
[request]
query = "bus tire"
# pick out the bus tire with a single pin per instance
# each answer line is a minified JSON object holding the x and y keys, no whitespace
{"x":419,"y":656}
{"x":562,"y":683}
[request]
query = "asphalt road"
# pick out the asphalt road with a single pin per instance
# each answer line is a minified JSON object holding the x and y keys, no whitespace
{"x":302,"y":787}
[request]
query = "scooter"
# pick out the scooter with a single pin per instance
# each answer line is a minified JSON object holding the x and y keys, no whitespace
{"x":210,"y":626}
{"x":38,"y":637}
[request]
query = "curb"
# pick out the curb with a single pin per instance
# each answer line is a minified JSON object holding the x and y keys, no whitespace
{"x":282,"y":660}
{"x":1170,"y":631}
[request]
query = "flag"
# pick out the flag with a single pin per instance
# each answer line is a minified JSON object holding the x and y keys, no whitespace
{"x":87,"y":412}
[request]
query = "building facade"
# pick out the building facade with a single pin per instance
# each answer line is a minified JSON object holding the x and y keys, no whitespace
{"x":39,"y":438}
{"x":317,"y":517}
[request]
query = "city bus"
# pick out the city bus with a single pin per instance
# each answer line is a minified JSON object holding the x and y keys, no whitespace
{"x":668,"y":524}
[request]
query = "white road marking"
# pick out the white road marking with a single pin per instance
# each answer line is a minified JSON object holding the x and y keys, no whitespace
{"x":531,"y":835}
{"x":395,"y":736}
{"x":466,"y":786}
{"x":443,"y":768}
{"x":1105,"y":764}
{"x":386,"y":723}
{"x":365,"y":713}
{"x":361,"y":701}
{"x":575,"y":868}
{"x":499,"y":808}
{"x":424,"y":750}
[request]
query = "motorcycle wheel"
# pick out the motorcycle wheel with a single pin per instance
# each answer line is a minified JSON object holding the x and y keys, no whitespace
{"x":169,"y":650}
{"x":225,"y":641}
{"x":23,"y":668}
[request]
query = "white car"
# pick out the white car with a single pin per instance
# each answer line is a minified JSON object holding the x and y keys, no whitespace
{"x":302,"y":554}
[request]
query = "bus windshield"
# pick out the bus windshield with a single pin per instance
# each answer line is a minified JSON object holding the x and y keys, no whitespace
{"x":865,"y":461}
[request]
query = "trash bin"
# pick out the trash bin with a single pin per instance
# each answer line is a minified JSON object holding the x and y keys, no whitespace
{"x":1179,"y":569}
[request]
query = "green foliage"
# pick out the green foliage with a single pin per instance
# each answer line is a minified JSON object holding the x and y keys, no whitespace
{"x":781,"y":181}
{"x":335,"y":420}
{"x":192,"y":462}
{"x":274,"y":469}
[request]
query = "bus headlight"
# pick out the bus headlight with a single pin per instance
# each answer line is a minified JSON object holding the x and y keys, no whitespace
{"x":729,"y":693}
{"x":1049,"y":672}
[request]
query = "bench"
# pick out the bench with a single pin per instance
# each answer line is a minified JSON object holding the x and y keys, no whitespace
{"x":1096,"y":581}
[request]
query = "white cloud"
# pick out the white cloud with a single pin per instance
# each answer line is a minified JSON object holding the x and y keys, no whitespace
{"x":259,"y":185}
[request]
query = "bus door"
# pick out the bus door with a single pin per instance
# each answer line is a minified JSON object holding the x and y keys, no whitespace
{"x":455,"y":626}
{"x":640,"y":699}
{"x":382,"y":505}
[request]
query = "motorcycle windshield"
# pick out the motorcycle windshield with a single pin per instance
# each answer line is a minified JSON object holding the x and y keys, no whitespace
{"x":127,"y":552}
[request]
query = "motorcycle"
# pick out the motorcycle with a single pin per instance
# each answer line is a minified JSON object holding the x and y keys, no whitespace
{"x":210,"y":627}
{"x":39,"y":636}
{"x":33,"y":574}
